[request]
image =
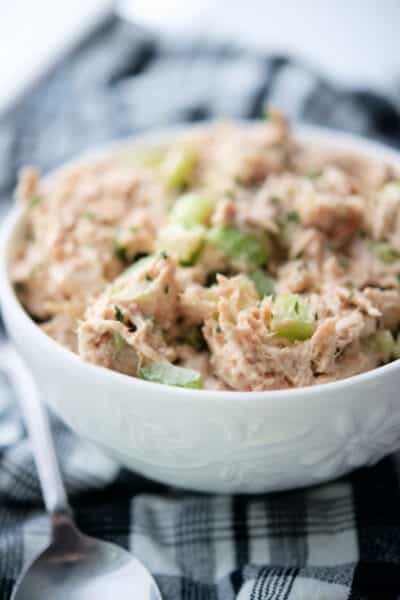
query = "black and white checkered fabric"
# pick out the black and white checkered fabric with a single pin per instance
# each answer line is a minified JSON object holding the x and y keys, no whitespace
{"x":334,"y":542}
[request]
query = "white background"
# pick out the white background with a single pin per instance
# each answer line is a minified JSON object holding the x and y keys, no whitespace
{"x":354,"y":41}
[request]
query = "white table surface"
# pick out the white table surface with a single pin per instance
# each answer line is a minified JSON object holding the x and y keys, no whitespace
{"x":353,"y":41}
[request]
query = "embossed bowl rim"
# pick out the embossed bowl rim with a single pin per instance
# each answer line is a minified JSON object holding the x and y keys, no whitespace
{"x":14,"y":221}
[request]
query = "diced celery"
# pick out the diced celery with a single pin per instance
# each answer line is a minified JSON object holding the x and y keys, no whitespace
{"x":240,"y":245}
{"x":143,"y":262}
{"x":132,"y":284}
{"x":178,"y":166}
{"x":391,"y":189}
{"x":136,"y":291}
{"x":385,"y":343}
{"x":292,"y":317}
{"x":182,"y":243}
{"x":169,"y":374}
{"x":265,"y":285}
{"x":385,"y":252}
{"x":192,"y":209}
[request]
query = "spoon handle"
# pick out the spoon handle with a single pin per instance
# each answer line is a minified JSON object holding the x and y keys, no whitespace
{"x":38,"y":425}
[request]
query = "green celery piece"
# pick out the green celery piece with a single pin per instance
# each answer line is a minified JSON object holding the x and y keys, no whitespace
{"x":265,"y":285}
{"x":386,"y":344}
{"x":141,"y":262}
{"x":237,"y":244}
{"x":385,"y":252}
{"x":126,"y":287}
{"x":191,"y":209}
{"x":178,"y":166}
{"x":183,"y":244}
{"x":392,"y":188}
{"x":169,"y":374}
{"x":292,"y":317}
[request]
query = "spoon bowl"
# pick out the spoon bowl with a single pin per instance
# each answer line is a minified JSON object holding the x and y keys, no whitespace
{"x":82,"y":567}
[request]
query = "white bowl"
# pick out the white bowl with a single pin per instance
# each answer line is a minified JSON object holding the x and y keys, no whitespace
{"x":208,"y":440}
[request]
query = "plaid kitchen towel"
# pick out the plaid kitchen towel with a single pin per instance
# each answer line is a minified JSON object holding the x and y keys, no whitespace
{"x":332,"y":542}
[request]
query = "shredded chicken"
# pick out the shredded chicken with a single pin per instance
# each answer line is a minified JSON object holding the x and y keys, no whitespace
{"x":122,"y":266}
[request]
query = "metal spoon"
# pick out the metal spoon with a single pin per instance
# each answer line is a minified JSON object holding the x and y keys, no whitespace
{"x":74,"y":565}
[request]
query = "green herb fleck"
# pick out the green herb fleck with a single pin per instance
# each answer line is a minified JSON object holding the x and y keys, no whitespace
{"x":89,"y":215}
{"x":118,"y":314}
{"x":166,"y":289}
{"x":314,"y":174}
{"x":218,"y":329}
{"x":34,"y":201}
{"x":350,"y":287}
{"x":120,"y":251}
{"x":194,"y":338}
{"x":163,"y":254}
{"x":148,"y":277}
{"x":293,"y":216}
